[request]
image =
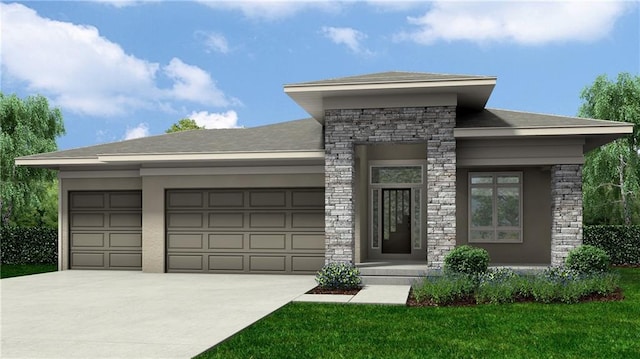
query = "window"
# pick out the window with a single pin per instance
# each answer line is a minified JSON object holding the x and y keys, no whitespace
{"x":396,"y":174}
{"x":495,"y":207}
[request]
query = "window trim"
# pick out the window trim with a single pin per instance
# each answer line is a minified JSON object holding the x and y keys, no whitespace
{"x":494,"y":186}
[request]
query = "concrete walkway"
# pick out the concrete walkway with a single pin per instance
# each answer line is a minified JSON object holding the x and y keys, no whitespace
{"x":370,"y":294}
{"x":115,"y":314}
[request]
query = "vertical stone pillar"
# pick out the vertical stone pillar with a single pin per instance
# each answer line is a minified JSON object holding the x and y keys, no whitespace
{"x":566,"y":211}
{"x":339,"y":171}
{"x":441,"y":185}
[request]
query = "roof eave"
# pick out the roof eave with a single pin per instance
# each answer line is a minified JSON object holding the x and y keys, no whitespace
{"x":492,"y":132}
{"x":139,"y":158}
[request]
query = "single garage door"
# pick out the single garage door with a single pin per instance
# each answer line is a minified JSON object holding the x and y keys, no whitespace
{"x":245,"y":231}
{"x":105,"y":230}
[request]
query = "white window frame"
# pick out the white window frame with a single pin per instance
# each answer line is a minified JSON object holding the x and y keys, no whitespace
{"x":494,"y":186}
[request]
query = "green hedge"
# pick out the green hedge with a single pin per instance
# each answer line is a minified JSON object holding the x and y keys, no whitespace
{"x":622,"y":243}
{"x":35,"y":245}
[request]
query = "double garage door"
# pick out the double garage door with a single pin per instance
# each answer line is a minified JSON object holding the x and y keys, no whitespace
{"x":245,"y":231}
{"x":105,"y":230}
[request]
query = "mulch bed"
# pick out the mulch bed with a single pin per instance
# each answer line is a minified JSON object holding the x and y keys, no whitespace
{"x":470,"y":301}
{"x":318,"y":290}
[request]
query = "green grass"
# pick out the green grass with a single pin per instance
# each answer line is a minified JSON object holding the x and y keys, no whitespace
{"x":521,"y":330}
{"x":16,"y":270}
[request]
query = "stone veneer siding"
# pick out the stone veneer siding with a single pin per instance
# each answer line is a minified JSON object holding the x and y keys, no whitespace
{"x":566,"y":211}
{"x":345,"y":128}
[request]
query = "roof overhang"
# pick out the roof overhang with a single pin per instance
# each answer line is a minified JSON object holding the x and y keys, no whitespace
{"x":595,"y":136}
{"x":134,"y":158}
{"x":315,"y":98}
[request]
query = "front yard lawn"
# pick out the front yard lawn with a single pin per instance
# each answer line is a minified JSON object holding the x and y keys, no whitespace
{"x":16,"y":270}
{"x":521,"y":330}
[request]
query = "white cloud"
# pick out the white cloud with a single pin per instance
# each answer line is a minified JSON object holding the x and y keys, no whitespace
{"x":274,"y":9}
{"x":522,"y":22}
{"x":395,"y":5}
{"x":194,"y":84}
{"x":347,"y":36}
{"x":82,"y":71}
{"x":119,"y":3}
{"x":142,"y":130}
{"x":214,"y":41}
{"x":227,"y":119}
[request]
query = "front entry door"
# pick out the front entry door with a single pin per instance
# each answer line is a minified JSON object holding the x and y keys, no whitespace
{"x":396,"y":220}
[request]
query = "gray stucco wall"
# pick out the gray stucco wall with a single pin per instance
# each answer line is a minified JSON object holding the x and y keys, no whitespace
{"x":345,"y":128}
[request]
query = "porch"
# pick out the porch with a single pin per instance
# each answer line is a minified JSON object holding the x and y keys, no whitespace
{"x":402,"y":272}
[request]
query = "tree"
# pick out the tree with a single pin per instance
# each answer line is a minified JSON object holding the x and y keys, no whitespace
{"x":185,"y":124}
{"x":27,"y":127}
{"x":611,"y":174}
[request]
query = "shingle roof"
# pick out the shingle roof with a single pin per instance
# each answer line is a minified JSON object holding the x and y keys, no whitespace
{"x":300,"y":135}
{"x":392,"y":76}
{"x":494,"y":118}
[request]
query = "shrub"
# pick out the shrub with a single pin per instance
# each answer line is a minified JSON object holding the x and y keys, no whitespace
{"x":622,"y":243}
{"x":467,"y":260}
{"x":35,"y":245}
{"x":445,"y":289}
{"x":499,"y":285}
{"x":588,"y":259}
{"x":569,"y":286}
{"x":338,"y":275}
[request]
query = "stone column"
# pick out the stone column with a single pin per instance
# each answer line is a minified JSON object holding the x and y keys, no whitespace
{"x":339,"y":172}
{"x":441,"y":185}
{"x":566,"y":211}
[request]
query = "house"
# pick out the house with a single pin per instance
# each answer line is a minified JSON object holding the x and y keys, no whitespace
{"x":393,"y":165}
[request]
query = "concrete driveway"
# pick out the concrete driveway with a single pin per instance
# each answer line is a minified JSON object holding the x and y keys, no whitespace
{"x":92,"y":314}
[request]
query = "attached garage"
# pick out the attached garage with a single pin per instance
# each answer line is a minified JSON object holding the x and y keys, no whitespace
{"x":245,"y":230}
{"x":105,"y":230}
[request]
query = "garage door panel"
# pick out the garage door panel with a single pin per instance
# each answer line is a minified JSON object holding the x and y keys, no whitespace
{"x":87,"y":200}
{"x":125,"y":220}
{"x":307,"y":220}
{"x":308,"y":198}
{"x":307,"y":241}
{"x":191,"y":262}
{"x":226,"y":263}
{"x":226,"y":241}
{"x":105,"y":230}
{"x":226,"y":199}
{"x":267,"y":241}
{"x":306,"y":263}
{"x":88,"y":220}
{"x":125,"y":260}
{"x":184,"y":240}
{"x":268,"y":199}
{"x":87,"y":240}
{"x":267,"y":263}
{"x":87,"y":260}
{"x":226,"y":220}
{"x":245,"y":231}
{"x":267,"y":220}
{"x":184,"y":220}
{"x":125,"y":240}
{"x":184,"y":200}
{"x":125,"y":200}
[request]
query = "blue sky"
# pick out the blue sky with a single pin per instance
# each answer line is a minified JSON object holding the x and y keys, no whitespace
{"x":125,"y":69}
